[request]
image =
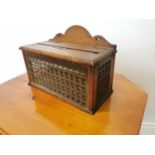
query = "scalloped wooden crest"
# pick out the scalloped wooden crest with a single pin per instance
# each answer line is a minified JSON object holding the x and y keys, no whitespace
{"x":78,"y":34}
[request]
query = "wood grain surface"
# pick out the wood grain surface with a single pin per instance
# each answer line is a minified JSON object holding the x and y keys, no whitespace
{"x":78,"y":34}
{"x":26,"y":110}
{"x":75,"y":45}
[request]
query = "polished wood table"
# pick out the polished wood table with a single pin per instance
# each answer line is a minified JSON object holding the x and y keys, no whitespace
{"x":26,"y":110}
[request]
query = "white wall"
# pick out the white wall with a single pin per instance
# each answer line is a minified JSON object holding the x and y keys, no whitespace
{"x":135,"y":57}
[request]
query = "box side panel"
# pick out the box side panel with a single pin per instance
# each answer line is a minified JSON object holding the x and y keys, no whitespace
{"x":104,"y":79}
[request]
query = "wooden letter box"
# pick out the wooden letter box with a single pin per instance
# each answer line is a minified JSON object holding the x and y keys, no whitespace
{"x":74,"y":66}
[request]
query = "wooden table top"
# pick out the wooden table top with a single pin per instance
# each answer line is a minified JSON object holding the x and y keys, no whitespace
{"x":22,"y":113}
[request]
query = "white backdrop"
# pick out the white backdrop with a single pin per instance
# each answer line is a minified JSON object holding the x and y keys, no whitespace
{"x":30,"y":21}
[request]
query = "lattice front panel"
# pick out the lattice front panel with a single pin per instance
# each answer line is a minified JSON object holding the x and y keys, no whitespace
{"x":67,"y":82}
{"x":103,"y":74}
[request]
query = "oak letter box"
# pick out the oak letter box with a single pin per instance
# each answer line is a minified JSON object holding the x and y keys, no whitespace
{"x":74,"y":66}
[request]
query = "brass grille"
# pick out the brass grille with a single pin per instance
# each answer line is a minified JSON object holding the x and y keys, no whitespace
{"x":54,"y":77}
{"x":103,"y":80}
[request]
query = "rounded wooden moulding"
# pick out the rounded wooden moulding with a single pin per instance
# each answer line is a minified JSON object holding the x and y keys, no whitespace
{"x":78,"y":34}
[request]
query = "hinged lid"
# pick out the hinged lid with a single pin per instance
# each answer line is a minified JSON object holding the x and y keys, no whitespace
{"x":76,"y":45}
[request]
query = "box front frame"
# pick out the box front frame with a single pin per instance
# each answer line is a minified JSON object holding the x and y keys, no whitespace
{"x":89,"y":79}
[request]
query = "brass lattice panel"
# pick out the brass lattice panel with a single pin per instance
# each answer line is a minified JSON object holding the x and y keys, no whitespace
{"x":103,"y":75}
{"x":60,"y":79}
